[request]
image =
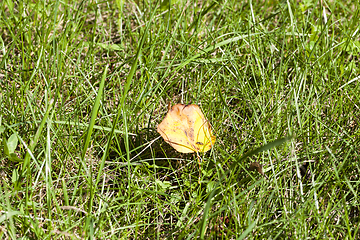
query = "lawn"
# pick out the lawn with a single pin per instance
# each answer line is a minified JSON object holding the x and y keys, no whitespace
{"x":84,"y":85}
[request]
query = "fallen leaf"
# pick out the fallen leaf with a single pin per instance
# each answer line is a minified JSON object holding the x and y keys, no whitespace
{"x":186,"y":129}
{"x":256,"y":166}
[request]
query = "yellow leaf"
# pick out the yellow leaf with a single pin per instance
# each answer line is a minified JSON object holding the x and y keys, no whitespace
{"x":186,"y":129}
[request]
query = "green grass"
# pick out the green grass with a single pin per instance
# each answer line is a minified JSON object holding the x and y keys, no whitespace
{"x":85,"y":83}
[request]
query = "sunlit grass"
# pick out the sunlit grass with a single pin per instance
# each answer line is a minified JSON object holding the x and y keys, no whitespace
{"x":84,"y":85}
